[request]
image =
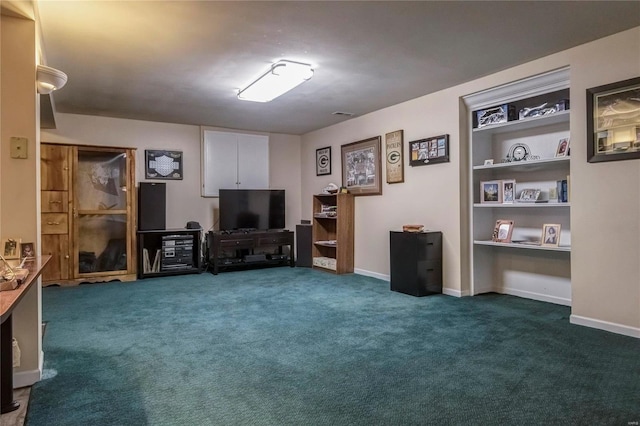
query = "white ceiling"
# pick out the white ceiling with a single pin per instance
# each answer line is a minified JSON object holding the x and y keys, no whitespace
{"x":183,"y":61}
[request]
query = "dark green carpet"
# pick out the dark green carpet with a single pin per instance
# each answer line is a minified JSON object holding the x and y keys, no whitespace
{"x":289,"y":346}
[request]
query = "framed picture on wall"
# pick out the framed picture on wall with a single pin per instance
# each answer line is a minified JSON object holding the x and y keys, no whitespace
{"x":323,"y":161}
{"x":160,"y":164}
{"x":361,"y":167}
{"x":613,"y":121}
{"x":432,"y":150}
{"x":394,"y":152}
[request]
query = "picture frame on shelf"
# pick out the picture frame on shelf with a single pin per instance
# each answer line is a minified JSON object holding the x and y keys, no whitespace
{"x":550,"y":235}
{"x":162,"y":164}
{"x":433,"y":150}
{"x":488,"y":162}
{"x":491,"y":192}
{"x":323,"y":161}
{"x":27,"y":250}
{"x":613,"y":124}
{"x":361,"y":167}
{"x":502,"y":231}
{"x":508,"y":191}
{"x":529,"y":195}
{"x":394,"y":146}
{"x":563,"y":148}
{"x":11,"y":248}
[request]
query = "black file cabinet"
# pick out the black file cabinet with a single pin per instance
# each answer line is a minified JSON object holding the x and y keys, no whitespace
{"x":416,"y":262}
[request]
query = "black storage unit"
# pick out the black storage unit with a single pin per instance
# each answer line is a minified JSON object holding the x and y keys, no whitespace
{"x":169,"y":252}
{"x":416,"y":262}
{"x":152,"y":206}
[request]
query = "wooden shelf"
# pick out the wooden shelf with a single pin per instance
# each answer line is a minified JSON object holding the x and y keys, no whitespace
{"x":338,"y":228}
{"x":522,"y":246}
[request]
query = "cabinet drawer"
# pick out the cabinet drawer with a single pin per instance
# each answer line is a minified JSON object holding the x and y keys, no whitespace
{"x":432,"y":246}
{"x":54,"y":223}
{"x":54,"y":201}
{"x":237,"y":243}
{"x":275,"y":239}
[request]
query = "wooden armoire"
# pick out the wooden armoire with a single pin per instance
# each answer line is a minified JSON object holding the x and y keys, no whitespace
{"x":88,"y":204}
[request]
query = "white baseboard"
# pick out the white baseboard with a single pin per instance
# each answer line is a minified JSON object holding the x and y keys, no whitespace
{"x":26,"y":378}
{"x":29,"y":377}
{"x":372,"y":274}
{"x":605,"y":325}
{"x":537,"y":296}
{"x":454,"y":292}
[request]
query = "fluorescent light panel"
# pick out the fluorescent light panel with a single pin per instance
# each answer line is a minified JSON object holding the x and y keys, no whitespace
{"x":281,"y":77}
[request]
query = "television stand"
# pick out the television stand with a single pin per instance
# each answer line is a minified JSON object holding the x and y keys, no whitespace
{"x":244,"y":245}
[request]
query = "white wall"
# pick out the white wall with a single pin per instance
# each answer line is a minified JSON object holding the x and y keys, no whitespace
{"x":605,"y":268}
{"x":184,"y":202}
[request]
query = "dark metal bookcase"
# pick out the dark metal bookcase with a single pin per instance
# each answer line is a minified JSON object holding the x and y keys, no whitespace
{"x":176,"y":251}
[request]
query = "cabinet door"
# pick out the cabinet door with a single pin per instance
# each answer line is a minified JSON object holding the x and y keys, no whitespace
{"x":220,"y":162}
{"x":102,"y":216}
{"x":253,"y":162}
{"x":55,"y":167}
{"x":57,"y":246}
{"x":234,"y":160}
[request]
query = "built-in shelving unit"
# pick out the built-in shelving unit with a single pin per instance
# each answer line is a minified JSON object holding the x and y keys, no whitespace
{"x":522,"y":266}
{"x":333,"y":216}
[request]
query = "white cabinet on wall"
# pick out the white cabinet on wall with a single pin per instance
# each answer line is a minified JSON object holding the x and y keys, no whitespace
{"x":234,"y":161}
{"x":526,"y":151}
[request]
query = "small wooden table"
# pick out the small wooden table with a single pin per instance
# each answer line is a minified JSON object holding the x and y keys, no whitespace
{"x":8,"y":301}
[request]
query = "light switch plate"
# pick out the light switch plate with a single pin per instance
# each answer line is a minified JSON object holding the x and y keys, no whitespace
{"x":19,"y":147}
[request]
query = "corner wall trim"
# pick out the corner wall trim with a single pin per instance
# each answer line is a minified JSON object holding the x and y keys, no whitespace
{"x":454,"y":292}
{"x":606,"y":326}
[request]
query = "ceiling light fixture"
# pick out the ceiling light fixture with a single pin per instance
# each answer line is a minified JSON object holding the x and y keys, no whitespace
{"x":49,"y":79}
{"x":281,"y":77}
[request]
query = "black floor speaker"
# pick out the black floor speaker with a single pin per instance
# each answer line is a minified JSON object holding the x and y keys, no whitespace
{"x":303,"y":245}
{"x":152,"y":206}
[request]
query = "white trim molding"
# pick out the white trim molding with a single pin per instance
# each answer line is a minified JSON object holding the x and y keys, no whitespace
{"x":605,"y":325}
{"x":372,"y":274}
{"x":455,"y":293}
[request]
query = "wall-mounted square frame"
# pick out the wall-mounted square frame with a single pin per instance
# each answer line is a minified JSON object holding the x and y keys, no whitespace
{"x":162,"y":164}
{"x":427,"y":151}
{"x":361,"y":167}
{"x":323,"y":161}
{"x":550,"y":235}
{"x":394,"y":144}
{"x":491,"y":192}
{"x":613,"y":121}
{"x":502,"y":231}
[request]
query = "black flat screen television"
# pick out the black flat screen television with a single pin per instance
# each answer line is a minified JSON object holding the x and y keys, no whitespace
{"x":251,"y":209}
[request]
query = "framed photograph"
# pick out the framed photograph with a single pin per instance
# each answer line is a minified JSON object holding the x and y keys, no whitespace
{"x":394,"y":147}
{"x":361,"y":167}
{"x":323,"y":161}
{"x":429,"y":151}
{"x":163,"y":164}
{"x":550,"y":235}
{"x":508,"y":191}
{"x":529,"y":195}
{"x":11,"y":248}
{"x":491,"y":192}
{"x":613,"y":121}
{"x":27,"y":250}
{"x":563,"y":148}
{"x":502,"y":231}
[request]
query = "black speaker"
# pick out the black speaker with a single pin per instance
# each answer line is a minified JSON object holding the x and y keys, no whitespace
{"x":303,"y":245}
{"x":152,"y":206}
